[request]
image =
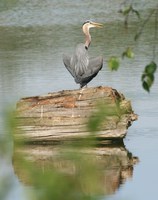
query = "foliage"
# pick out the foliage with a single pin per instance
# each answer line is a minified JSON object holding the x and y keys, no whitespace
{"x":71,"y":174}
{"x":57,"y":182}
{"x":128,"y":53}
{"x":127,"y":10}
{"x":147,"y":77}
{"x":113,"y":63}
{"x":99,"y":117}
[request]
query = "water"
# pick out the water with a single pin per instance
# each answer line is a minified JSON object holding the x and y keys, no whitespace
{"x":33,"y":36}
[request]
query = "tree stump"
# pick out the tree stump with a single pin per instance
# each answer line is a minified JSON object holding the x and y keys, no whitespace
{"x":64,"y":115}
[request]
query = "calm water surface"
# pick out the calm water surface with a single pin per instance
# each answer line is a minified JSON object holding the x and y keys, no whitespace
{"x":33,"y":36}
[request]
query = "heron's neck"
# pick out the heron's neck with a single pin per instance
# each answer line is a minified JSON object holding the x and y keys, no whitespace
{"x":87,"y":37}
{"x":88,"y":40}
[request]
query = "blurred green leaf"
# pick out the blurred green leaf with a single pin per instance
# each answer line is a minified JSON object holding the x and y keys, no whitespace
{"x":100,"y":116}
{"x":128,"y":53}
{"x":151,"y":68}
{"x":96,"y":119}
{"x":150,"y":79}
{"x":145,"y":86}
{"x":113,"y":63}
{"x":94,"y":123}
{"x":148,"y":76}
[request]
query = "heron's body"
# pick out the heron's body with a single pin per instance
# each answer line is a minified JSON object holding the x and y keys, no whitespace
{"x":81,"y":67}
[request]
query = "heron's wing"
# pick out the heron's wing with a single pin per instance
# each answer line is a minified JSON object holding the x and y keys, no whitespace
{"x":67,"y":63}
{"x":95,"y":65}
{"x":93,"y":68}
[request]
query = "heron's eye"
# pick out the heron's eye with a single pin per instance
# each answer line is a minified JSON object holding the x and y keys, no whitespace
{"x":87,"y":22}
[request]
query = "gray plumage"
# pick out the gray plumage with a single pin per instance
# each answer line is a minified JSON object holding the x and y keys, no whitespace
{"x":81,"y":67}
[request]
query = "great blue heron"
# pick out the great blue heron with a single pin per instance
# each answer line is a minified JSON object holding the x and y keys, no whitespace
{"x":81,"y":67}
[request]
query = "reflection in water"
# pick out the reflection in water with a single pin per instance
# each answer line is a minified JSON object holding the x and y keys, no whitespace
{"x":111,"y":164}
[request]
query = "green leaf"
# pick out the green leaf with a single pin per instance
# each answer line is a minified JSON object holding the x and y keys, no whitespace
{"x":147,"y":80}
{"x":145,"y":86}
{"x":113,"y":63}
{"x":148,"y":76}
{"x":143,"y":77}
{"x":151,"y":68}
{"x":128,"y":53}
{"x":93,"y":124}
{"x":150,"y":79}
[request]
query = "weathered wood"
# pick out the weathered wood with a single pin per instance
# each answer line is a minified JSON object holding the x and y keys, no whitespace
{"x":64,"y":114}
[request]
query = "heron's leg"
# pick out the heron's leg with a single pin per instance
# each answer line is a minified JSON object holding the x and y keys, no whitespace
{"x":80,"y":93}
{"x":83,"y":86}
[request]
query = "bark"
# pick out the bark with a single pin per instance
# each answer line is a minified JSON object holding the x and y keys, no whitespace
{"x":65,"y":115}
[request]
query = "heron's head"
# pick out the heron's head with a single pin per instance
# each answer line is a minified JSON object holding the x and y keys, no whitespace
{"x":89,"y":24}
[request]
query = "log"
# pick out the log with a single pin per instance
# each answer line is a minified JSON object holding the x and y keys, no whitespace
{"x":64,"y":115}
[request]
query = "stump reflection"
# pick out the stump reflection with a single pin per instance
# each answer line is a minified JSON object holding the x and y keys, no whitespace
{"x":100,"y":169}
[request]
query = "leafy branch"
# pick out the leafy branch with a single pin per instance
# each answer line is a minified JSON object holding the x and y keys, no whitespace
{"x":147,"y":77}
{"x":140,"y":31}
{"x":126,"y":11}
{"x":114,"y":61}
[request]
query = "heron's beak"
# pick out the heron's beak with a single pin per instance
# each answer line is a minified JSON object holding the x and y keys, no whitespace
{"x":98,"y":25}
